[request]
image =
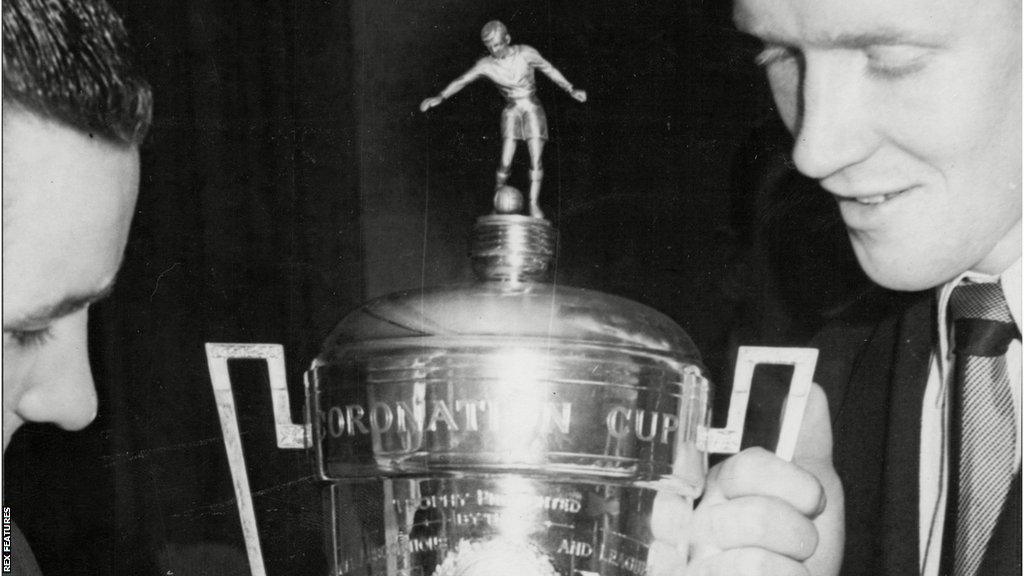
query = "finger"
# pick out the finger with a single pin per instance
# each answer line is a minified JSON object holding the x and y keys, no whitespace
{"x":746,"y":562}
{"x":753,"y":521}
{"x":671,"y":518}
{"x":757,"y":472}
{"x":664,"y":559}
{"x":815,"y":441}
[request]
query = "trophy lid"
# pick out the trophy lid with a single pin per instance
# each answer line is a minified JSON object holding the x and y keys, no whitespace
{"x":512,"y":257}
{"x":508,"y":374}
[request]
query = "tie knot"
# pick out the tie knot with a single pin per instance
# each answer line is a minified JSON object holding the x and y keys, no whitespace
{"x":983,"y":325}
{"x":982,"y":300}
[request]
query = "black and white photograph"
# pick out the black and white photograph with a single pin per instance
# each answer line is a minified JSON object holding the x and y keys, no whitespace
{"x":511,"y":287}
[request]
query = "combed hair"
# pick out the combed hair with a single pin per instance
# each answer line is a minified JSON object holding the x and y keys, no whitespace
{"x":68,"y":61}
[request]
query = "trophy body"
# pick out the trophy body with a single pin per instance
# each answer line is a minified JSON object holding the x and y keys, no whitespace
{"x":511,"y":425}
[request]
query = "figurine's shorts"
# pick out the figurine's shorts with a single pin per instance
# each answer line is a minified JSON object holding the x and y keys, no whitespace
{"x":524,"y":119}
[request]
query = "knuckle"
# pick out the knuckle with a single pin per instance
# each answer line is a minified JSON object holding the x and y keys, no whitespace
{"x":767,"y":523}
{"x":807,"y":544}
{"x":806,"y":493}
{"x":742,"y":522}
{"x":747,"y":462}
{"x":817,"y":499}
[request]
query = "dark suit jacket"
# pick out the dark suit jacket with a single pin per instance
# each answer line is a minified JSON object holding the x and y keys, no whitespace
{"x":875,"y":374}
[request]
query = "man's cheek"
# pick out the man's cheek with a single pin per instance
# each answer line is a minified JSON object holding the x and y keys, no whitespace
{"x":17,"y":363}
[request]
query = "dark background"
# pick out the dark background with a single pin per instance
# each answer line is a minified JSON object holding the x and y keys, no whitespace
{"x":289,"y":176}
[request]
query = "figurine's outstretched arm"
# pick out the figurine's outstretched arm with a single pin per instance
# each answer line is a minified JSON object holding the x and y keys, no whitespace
{"x":450,"y":90}
{"x":538,"y":62}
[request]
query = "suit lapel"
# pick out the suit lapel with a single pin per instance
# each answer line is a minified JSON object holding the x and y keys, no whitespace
{"x":900,"y":516}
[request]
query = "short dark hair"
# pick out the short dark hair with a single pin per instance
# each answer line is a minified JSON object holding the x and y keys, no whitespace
{"x":491,"y":28}
{"x":68,"y":61}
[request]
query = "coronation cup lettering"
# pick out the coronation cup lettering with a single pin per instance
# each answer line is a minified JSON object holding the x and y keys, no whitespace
{"x":477,"y":415}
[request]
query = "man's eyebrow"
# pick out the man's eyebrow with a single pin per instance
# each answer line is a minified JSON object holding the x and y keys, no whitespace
{"x":847,"y":40}
{"x":67,"y":305}
{"x":879,"y":38}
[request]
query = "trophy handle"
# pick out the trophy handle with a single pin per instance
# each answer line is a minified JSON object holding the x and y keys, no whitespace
{"x":289,"y":434}
{"x":727,"y":440}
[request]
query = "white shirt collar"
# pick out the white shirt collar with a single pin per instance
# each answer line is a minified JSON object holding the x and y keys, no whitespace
{"x":1010,"y":280}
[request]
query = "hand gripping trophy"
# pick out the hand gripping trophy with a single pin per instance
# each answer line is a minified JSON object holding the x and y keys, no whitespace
{"x":512,"y":67}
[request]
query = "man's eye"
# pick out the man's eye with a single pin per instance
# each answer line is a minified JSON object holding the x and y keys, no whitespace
{"x":895,"y":62}
{"x":30,"y":338}
{"x":774,"y":54}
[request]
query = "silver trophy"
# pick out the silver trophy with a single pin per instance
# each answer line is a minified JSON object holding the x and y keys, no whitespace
{"x":508,"y":426}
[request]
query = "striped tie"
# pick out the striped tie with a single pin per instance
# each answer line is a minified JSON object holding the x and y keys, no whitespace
{"x":983,"y":330}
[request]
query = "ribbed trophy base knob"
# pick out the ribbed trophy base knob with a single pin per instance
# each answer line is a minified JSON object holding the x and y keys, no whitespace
{"x":513,"y":248}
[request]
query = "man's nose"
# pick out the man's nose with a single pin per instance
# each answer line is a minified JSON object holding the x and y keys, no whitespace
{"x":834,"y":127}
{"x":62,"y":391}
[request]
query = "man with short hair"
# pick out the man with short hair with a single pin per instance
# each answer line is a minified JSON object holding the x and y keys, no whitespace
{"x":511,"y":68}
{"x":908,"y":113}
{"x":74,"y":116}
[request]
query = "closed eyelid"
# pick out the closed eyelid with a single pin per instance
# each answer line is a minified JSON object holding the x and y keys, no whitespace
{"x":30,"y":338}
{"x":897,"y":62}
{"x":900,"y":52}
